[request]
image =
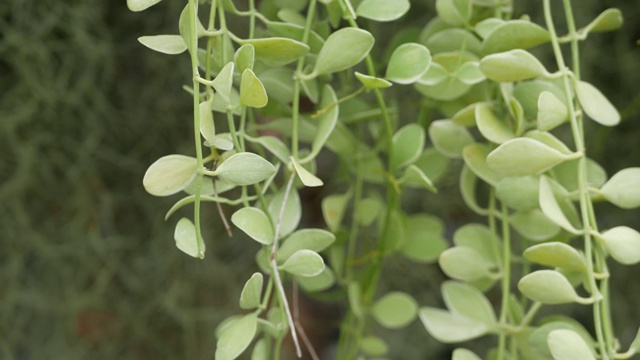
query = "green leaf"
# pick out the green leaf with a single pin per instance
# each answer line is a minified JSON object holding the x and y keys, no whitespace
{"x":534,"y":225}
{"x":395,"y":310}
{"x":320,"y":282}
{"x":610,"y":19}
{"x":469,"y":302}
{"x":166,"y":44}
{"x":463,"y":263}
{"x":492,"y":128}
{"x":368,"y":210}
{"x":224,"y":82}
{"x":382,"y":10}
{"x":513,"y":65}
{"x":274,"y":145}
{"x":252,"y":92}
{"x":623,"y":243}
{"x":407,"y":144}
{"x":139,"y":5}
{"x":449,"y":138}
{"x":342,"y":50}
{"x":414,"y":175}
{"x":470,"y":73}
{"x":255,"y":223}
{"x":596,"y":105}
{"x":307,"y":178}
{"x":326,"y":122}
{"x":305,"y":263}
{"x":169,"y":174}
{"x":454,"y":12}
{"x":468,"y":182}
{"x":372,"y":82}
{"x":525,"y":156}
{"x":486,"y":26}
{"x":551,"y":208}
{"x":464,"y":354}
{"x":310,"y":239}
{"x":295,"y":32}
{"x":475,"y":157}
{"x":514,"y":34}
{"x":222,"y":142}
{"x":251,"y":292}
{"x":244,"y":168}
{"x":244,"y":57}
{"x":479,"y":238}
{"x":236,"y":337}
{"x":449,"y":327}
{"x":207,"y":126}
{"x":520,"y":193}
{"x":408,"y":63}
{"x":623,"y":189}
{"x":354,"y":295}
{"x":333,"y":208}
{"x":565,"y":174}
{"x":551,"y":111}
{"x":452,"y":40}
{"x":548,"y":139}
{"x":260,"y":350}
{"x":568,"y":345}
{"x":277,"y":51}
{"x":547,"y":287}
{"x":187,"y":31}
{"x":635,"y":344}
{"x":538,"y":339}
{"x":292,"y":210}
{"x":374,"y":346}
{"x":186,"y":239}
{"x":556,"y":254}
{"x":423,"y":239}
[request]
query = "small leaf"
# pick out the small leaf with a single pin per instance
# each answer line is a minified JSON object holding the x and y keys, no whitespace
{"x":635,"y":344}
{"x":236,"y":337}
{"x":307,"y":178}
{"x":525,"y":156}
{"x":468,"y":185}
{"x":408,"y":63}
{"x":274,"y":145}
{"x":513,"y":65}
{"x":374,"y":346}
{"x":623,"y":243}
{"x":514,"y":34}
{"x":413,"y":175}
{"x":568,"y":345}
{"x":354,"y":295}
{"x":534,"y":225}
{"x":449,"y":138}
{"x":255,"y":223}
{"x":260,"y":350}
{"x":333,"y":208}
{"x":469,"y":302}
{"x":277,"y":51}
{"x":551,"y":111}
{"x":520,"y":193}
{"x":454,"y":12}
{"x":610,"y":19}
{"x":407,"y":144}
{"x":244,"y":57}
{"x":556,"y":254}
{"x":382,"y":10}
{"x":475,"y":157}
{"x":310,"y":239}
{"x":470,"y":73}
{"x":551,"y":208}
{"x":245,"y":168}
{"x":139,"y":5}
{"x":596,"y":105}
{"x":251,"y":292}
{"x":368,"y":210}
{"x":292,"y":210}
{"x":342,"y":50}
{"x":320,"y":282}
{"x":395,"y":310}
{"x":372,"y":82}
{"x":166,"y":44}
{"x":222,"y":142}
{"x":327,"y":121}
{"x":449,"y":327}
{"x":305,"y":263}
{"x":492,"y":128}
{"x":423,"y":239}
{"x":463,"y":263}
{"x":169,"y":174}
{"x":252,"y":92}
{"x":207,"y":126}
{"x":464,"y":354}
{"x":538,"y":338}
{"x":223,"y":82}
{"x":623,"y":189}
{"x":186,"y":239}
{"x":547,"y":287}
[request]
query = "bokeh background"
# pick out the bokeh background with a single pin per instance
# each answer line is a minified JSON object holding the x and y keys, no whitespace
{"x":88,"y":266}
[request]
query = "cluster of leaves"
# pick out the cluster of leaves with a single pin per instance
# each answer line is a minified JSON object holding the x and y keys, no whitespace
{"x":472,"y":62}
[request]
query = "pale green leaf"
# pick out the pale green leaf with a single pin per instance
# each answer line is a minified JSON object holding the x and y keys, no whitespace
{"x":251,"y":292}
{"x":475,"y":157}
{"x":310,"y":239}
{"x":454,"y":12}
{"x":468,"y":185}
{"x":568,"y":345}
{"x":414,"y":175}
{"x":449,"y":138}
{"x":277,"y":51}
{"x":556,"y":254}
{"x":255,"y":223}
{"x":408,"y":63}
{"x":342,"y":50}
{"x":186,"y":239}
{"x":222,"y":141}
{"x":514,"y":34}
{"x":252,"y":92}
{"x":464,"y":354}
{"x":139,"y":5}
{"x":491,"y":127}
{"x":207,"y":126}
{"x":382,"y":10}
{"x":513,"y":65}
{"x":469,"y":302}
{"x":166,"y":44}
{"x":548,"y":139}
{"x":470,"y":73}
{"x":423,"y":239}
{"x":596,"y":105}
{"x":245,"y":168}
{"x":305,"y":263}
{"x":520,"y":193}
{"x":433,"y":165}
{"x":273,"y":144}
{"x":486,"y":26}
{"x":292,"y":210}
{"x":623,"y":189}
{"x":449,"y":327}
{"x":320,"y":282}
{"x":374,"y":346}
{"x":395,"y":310}
{"x":538,"y":339}
{"x":623,"y":243}
{"x":260,"y":350}
{"x":479,"y":238}
{"x":524,"y":156}
{"x":551,"y":111}
{"x":463,"y":263}
{"x":610,"y":19}
{"x":244,"y":57}
{"x":333,"y":208}
{"x":547,"y":287}
{"x":534,"y":225}
{"x":307,"y":178}
{"x":169,"y":174}
{"x":354,"y":295}
{"x":236,"y":337}
{"x":372,"y":82}
{"x":224,"y":82}
{"x":635,"y":345}
{"x":407,"y":144}
{"x":551,"y":208}
{"x":326,"y":121}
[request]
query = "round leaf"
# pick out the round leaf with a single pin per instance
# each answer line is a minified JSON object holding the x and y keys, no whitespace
{"x":374,"y":346}
{"x":449,"y":327}
{"x":251,"y":292}
{"x":514,"y":34}
{"x":547,"y":287}
{"x":342,"y":50}
{"x":310,"y":239}
{"x":382,"y":10}
{"x":524,"y":156}
{"x":475,"y":157}
{"x":479,"y":238}
{"x":469,"y":302}
{"x":408,"y":63}
{"x":305,"y":263}
{"x":407,"y":144}
{"x":463,"y":263}
{"x":454,"y":12}
{"x":255,"y":223}
{"x":623,"y":243}
{"x":235,"y":337}
{"x":492,"y":128}
{"x":244,"y":168}
{"x":556,"y":254}
{"x":623,"y":189}
{"x":186,"y":239}
{"x":568,"y":345}
{"x":169,"y":174}
{"x":166,"y":44}
{"x":449,"y":138}
{"x":596,"y":105}
{"x":423,"y":239}
{"x":534,"y":225}
{"x":333,"y":208}
{"x":520,"y":193}
{"x":395,"y":310}
{"x":513,"y":65}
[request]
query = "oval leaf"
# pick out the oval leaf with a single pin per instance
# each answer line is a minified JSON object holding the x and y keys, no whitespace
{"x":513,"y":65}
{"x":515,"y":34}
{"x":596,"y":105}
{"x":310,"y":239}
{"x":408,"y":63}
{"x":382,"y":10}
{"x":245,"y":168}
{"x":320,"y":282}
{"x":305,"y":263}
{"x":252,"y":92}
{"x":166,"y":44}
{"x":534,"y":225}
{"x":224,"y":82}
{"x":374,"y":346}
{"x":407,"y":144}
{"x":469,"y":302}
{"x":464,"y":354}
{"x":292,"y":210}
{"x":551,"y":208}
{"x":342,"y":50}
{"x":244,"y":57}
{"x":547,"y":287}
{"x":610,"y":19}
{"x":235,"y":337}
{"x":255,"y":223}
{"x":492,"y":128}
{"x":475,"y":157}
{"x":556,"y":254}
{"x":623,"y":243}
{"x":463,"y":263}
{"x":186,"y":239}
{"x":169,"y":174}
{"x":277,"y":51}
{"x":524,"y":156}
{"x":450,"y":328}
{"x":251,"y":292}
{"x":395,"y":310}
{"x":551,"y":111}
{"x":568,"y":345}
{"x":623,"y":189}
{"x":139,"y":5}
{"x":423,"y":239}
{"x":449,"y":138}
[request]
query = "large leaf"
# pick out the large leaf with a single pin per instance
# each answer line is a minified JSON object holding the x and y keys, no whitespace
{"x":596,"y":105}
{"x":568,"y":345}
{"x":464,"y":263}
{"x":525,"y":156}
{"x":454,"y":12}
{"x":449,"y":138}
{"x":513,"y":65}
{"x":556,"y":254}
{"x":342,"y":50}
{"x":395,"y":310}
{"x":449,"y":327}
{"x":245,"y":168}
{"x":623,"y":189}
{"x":491,"y":127}
{"x":547,"y":287}
{"x":515,"y":34}
{"x":382,"y":10}
{"x":469,"y":302}
{"x":423,"y":239}
{"x":235,"y":338}
{"x":169,"y":174}
{"x":408,"y":63}
{"x":255,"y":223}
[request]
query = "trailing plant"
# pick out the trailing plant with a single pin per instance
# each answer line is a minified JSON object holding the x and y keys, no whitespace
{"x":278,"y":83}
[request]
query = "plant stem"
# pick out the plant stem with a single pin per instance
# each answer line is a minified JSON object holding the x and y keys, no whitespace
{"x":506,"y":281}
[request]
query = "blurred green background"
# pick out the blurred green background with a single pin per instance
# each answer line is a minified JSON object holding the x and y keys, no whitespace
{"x":88,"y":267}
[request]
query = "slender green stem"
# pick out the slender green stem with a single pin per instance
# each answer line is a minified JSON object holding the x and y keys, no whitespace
{"x":506,"y":281}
